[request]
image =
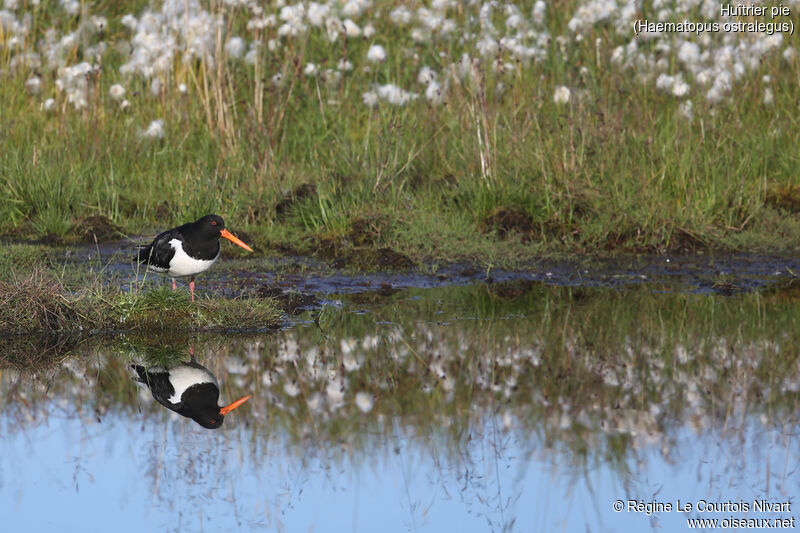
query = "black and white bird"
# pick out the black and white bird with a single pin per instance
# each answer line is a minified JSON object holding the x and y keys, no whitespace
{"x":187,"y":250}
{"x":189,"y":389}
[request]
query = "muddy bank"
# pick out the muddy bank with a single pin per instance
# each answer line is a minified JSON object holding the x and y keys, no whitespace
{"x":97,"y":289}
{"x":280,"y":274}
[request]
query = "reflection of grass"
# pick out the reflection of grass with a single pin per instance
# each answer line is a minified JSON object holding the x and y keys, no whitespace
{"x":595,"y":373}
{"x":34,"y":353}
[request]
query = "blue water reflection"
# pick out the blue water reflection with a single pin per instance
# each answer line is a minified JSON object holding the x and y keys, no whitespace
{"x":66,"y":473}
{"x":501,"y":408}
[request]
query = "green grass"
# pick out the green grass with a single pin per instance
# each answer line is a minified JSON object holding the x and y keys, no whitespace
{"x":617,"y":170}
{"x":39,"y":302}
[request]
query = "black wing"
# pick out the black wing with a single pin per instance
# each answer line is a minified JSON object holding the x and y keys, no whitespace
{"x":158,"y":383}
{"x":160,"y":252}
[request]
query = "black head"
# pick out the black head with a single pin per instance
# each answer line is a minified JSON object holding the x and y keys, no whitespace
{"x":210,"y":415}
{"x":212,"y":421}
{"x":210,"y":225}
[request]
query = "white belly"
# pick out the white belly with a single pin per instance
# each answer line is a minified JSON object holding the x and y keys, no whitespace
{"x":183,"y":377}
{"x":183,"y":265}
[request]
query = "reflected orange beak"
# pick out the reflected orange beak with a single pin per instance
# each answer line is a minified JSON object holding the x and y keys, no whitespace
{"x":230,"y":407}
{"x":234,"y":239}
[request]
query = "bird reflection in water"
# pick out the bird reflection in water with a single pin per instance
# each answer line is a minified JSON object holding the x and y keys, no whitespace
{"x":189,"y":389}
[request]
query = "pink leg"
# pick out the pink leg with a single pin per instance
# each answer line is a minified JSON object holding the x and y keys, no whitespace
{"x":191,"y":287}
{"x":174,"y":286}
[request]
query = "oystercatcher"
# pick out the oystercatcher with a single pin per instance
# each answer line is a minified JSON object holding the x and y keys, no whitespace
{"x":190,"y":390}
{"x":187,"y":250}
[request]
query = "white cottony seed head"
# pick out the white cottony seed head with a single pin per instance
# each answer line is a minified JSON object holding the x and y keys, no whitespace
{"x":561,"y":95}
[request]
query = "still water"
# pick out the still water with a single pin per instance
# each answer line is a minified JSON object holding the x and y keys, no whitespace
{"x":512,"y":406}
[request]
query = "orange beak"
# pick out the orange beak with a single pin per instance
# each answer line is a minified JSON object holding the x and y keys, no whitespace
{"x":234,"y":239}
{"x":228,"y":408}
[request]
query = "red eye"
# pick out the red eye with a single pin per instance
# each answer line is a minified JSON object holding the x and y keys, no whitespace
{"x":213,"y":222}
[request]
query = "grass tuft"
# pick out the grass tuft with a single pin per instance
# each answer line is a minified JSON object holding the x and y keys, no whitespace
{"x":34,"y":302}
{"x":39,"y":303}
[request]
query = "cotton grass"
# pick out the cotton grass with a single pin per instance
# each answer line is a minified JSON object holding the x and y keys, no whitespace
{"x":175,"y":32}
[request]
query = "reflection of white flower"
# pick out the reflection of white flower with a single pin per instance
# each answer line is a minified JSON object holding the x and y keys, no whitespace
{"x":364,"y":401}
{"x":335,"y":392}
{"x":129,"y":21}
{"x":291,"y":389}
{"x":350,"y":362}
{"x":561,"y":95}
{"x":508,"y":420}
{"x":347,"y":345}
{"x":314,"y":402}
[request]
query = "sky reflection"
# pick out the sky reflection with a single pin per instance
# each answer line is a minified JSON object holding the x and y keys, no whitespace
{"x":407,"y":416}
{"x":126,"y":475}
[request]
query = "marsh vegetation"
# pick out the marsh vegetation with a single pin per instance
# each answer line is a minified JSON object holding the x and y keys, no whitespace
{"x":411,"y":176}
{"x":445,"y":131}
